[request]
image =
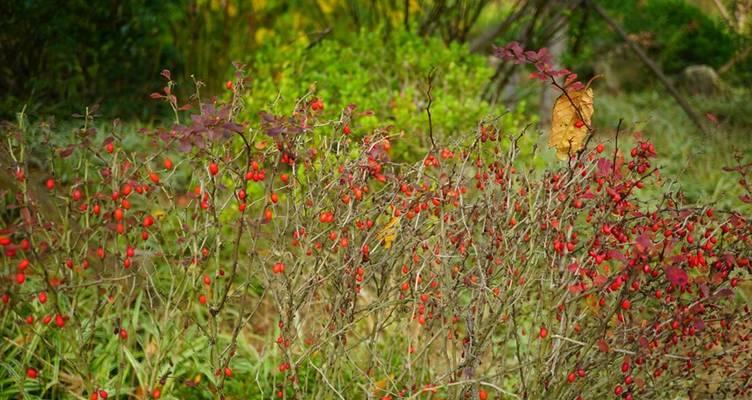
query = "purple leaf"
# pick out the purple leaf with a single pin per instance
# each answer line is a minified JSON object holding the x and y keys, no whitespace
{"x":676,"y":276}
{"x":699,"y":324}
{"x":643,"y":243}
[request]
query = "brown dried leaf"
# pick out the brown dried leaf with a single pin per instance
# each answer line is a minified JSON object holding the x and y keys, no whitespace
{"x":571,"y":117}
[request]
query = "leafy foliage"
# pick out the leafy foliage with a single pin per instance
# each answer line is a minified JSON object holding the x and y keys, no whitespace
{"x":386,"y":78}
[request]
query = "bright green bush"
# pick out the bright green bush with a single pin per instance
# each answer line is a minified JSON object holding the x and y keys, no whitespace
{"x":385,"y":75}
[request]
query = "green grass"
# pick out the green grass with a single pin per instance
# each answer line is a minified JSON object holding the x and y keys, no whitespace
{"x":692,"y":159}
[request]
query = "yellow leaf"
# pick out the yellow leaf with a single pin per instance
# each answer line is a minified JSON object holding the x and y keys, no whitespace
{"x":327,"y":6}
{"x":261,"y":35}
{"x":381,"y":385}
{"x":159,"y":213}
{"x":745,"y":289}
{"x":232,"y":9}
{"x":260,"y":145}
{"x":388,"y":232}
{"x":572,"y":115}
{"x":258,"y":5}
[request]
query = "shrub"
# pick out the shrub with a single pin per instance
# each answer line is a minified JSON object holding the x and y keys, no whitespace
{"x":171,"y":271}
{"x":386,"y":76}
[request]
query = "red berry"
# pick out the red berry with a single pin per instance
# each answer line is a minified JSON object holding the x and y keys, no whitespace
{"x":109,"y":147}
{"x":32,"y":373}
{"x":624,"y":367}
{"x":543,"y":332}
{"x":167,"y":163}
{"x":626,"y":304}
{"x":202,"y":299}
{"x":213,"y":169}
{"x":229,"y":85}
{"x":20,"y":278}
{"x":43,"y":297}
{"x":50,"y":184}
{"x":599,"y":148}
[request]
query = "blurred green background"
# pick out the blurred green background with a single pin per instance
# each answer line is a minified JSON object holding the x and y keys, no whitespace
{"x":57,"y":58}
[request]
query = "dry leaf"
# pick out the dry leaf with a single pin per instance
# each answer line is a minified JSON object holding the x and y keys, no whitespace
{"x":381,"y":385}
{"x":260,"y":145}
{"x":570,"y":121}
{"x":388,"y":232}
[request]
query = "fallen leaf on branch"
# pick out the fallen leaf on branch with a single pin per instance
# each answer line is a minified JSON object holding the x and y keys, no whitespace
{"x":570,"y":122}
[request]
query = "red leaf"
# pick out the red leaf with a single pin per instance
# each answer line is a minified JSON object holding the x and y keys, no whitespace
{"x":603,"y":346}
{"x":676,"y":276}
{"x":576,"y":288}
{"x":66,"y":152}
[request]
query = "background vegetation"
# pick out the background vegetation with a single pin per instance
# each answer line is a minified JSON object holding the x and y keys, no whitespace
{"x":68,"y":71}
{"x":108,"y":56}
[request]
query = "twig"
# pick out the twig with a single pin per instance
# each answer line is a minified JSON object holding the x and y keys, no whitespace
{"x":616,"y":147}
{"x":431,"y":76}
{"x":320,"y":36}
